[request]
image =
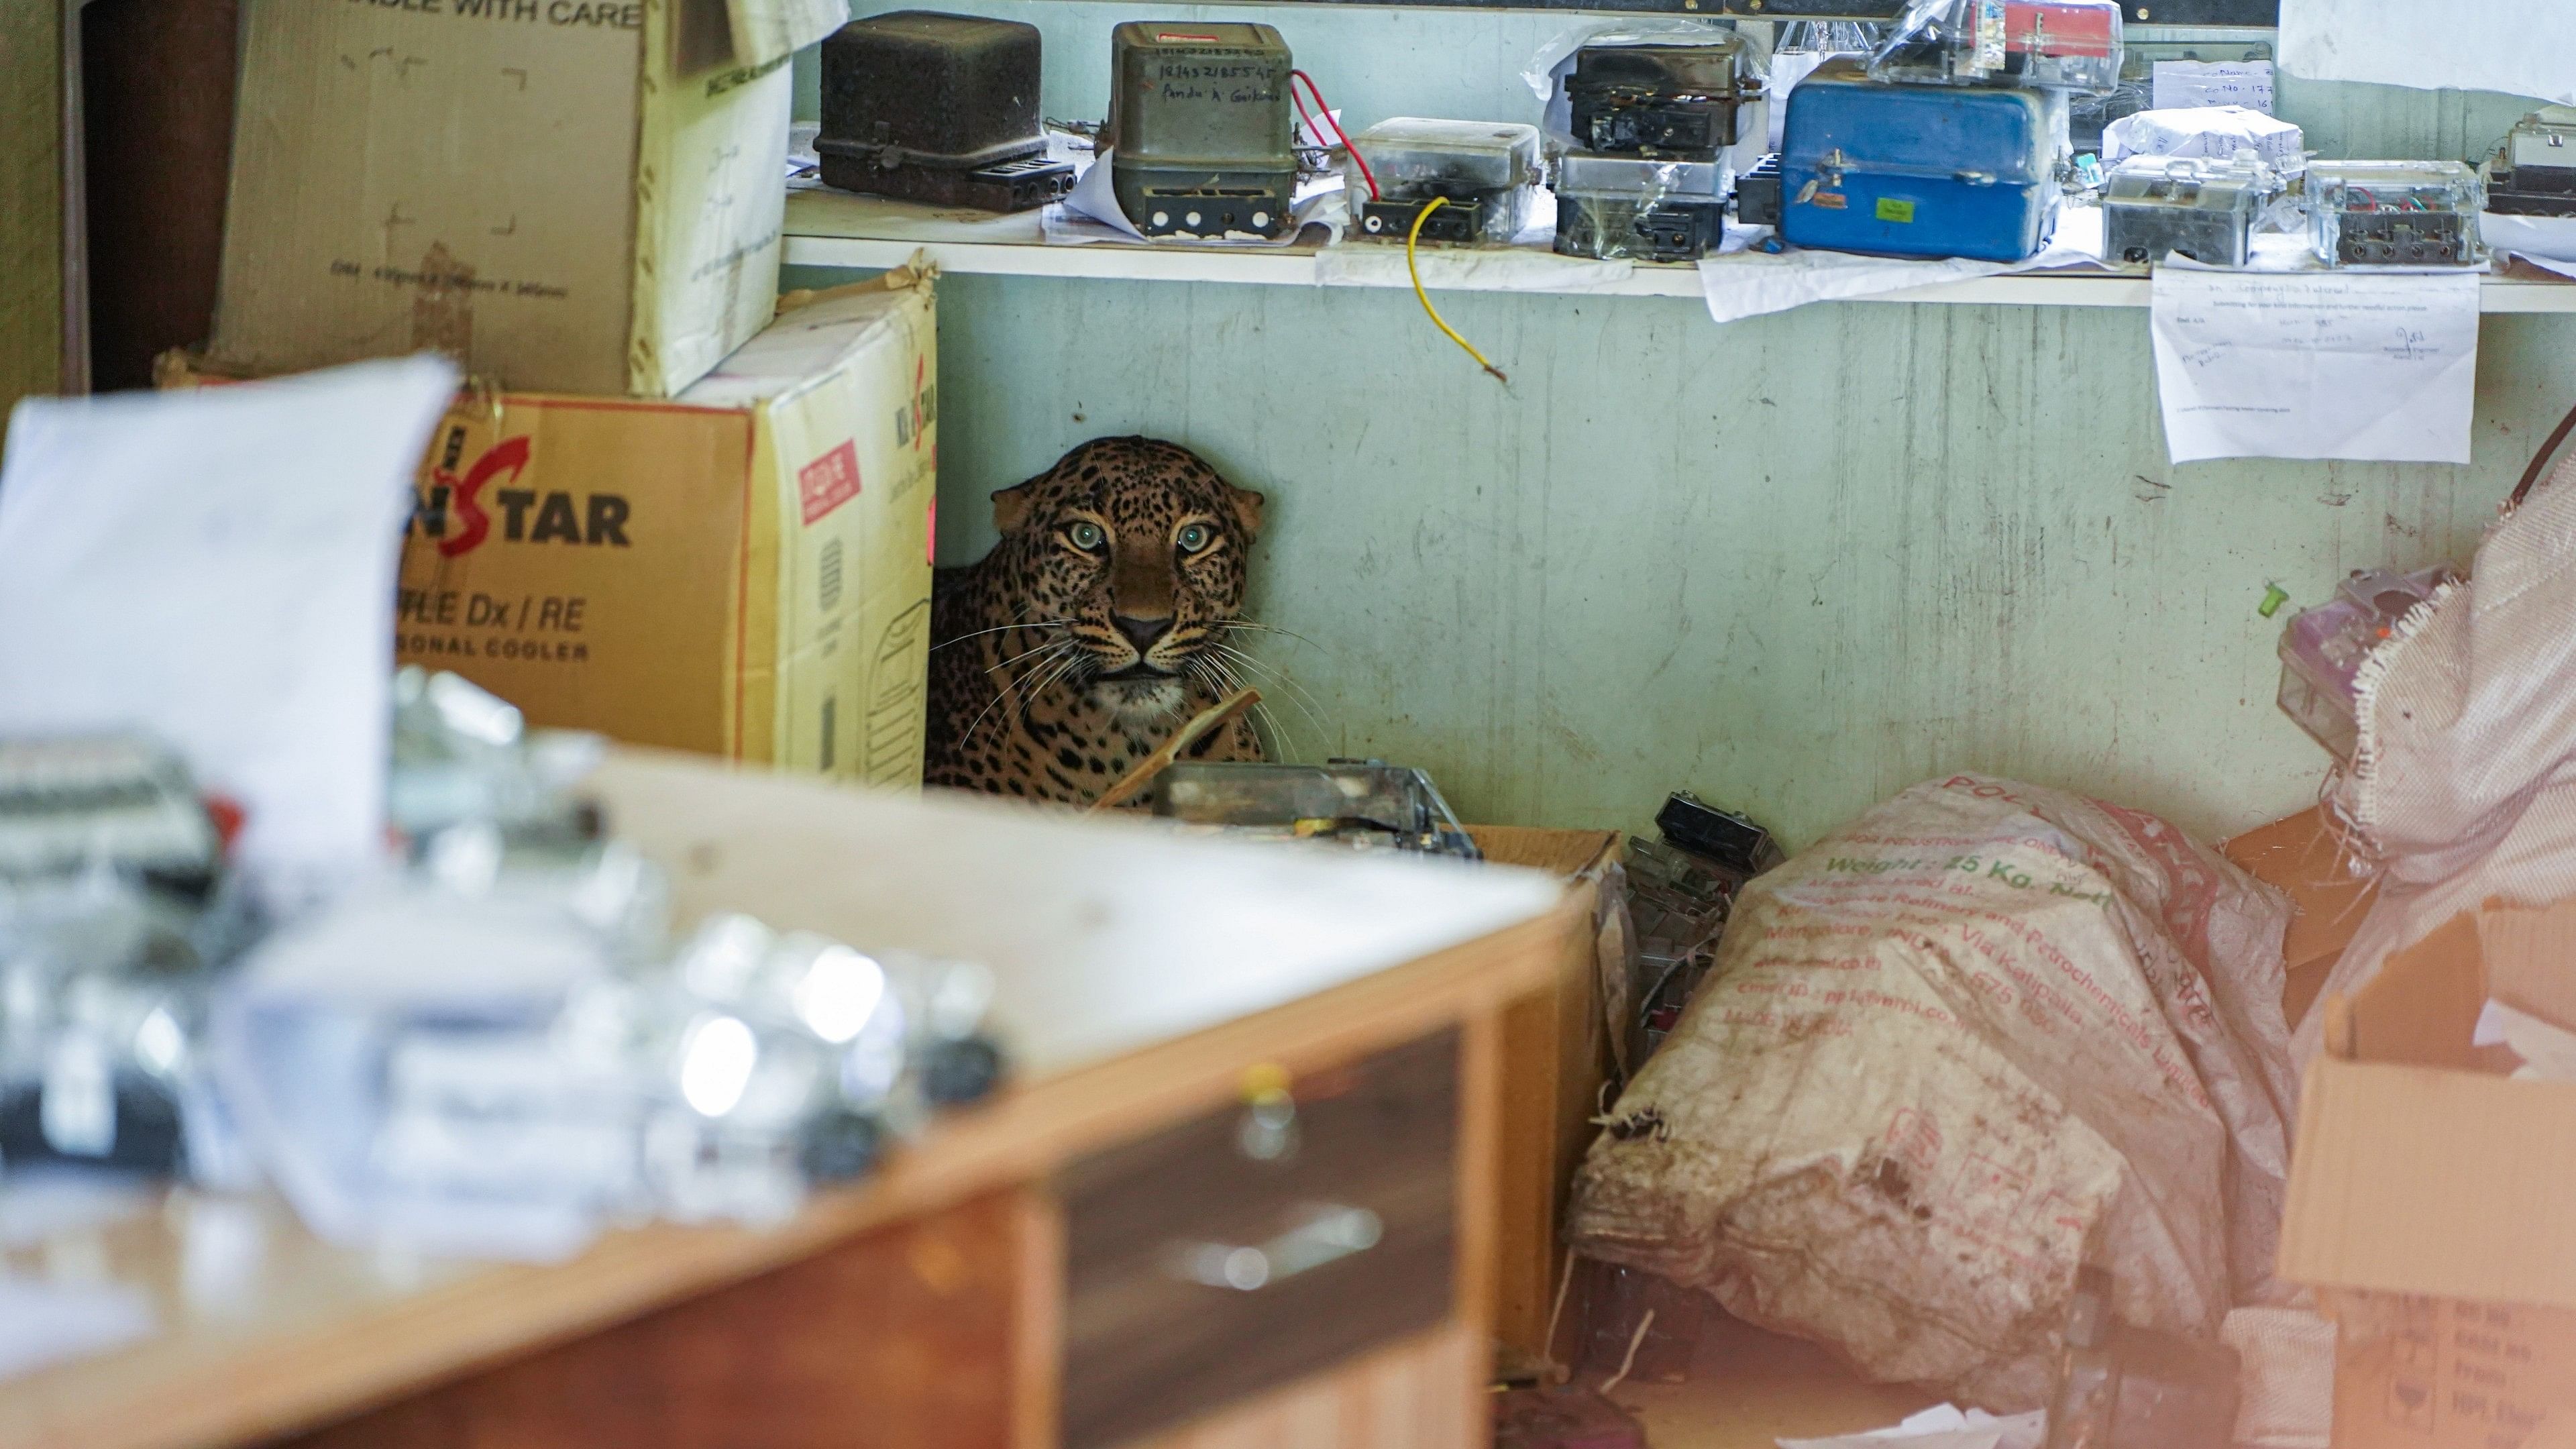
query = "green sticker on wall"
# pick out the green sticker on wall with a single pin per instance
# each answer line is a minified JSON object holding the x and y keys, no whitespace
{"x":1891,"y":209}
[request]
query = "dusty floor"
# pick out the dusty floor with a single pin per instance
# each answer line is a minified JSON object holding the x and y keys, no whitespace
{"x":1748,"y":1388}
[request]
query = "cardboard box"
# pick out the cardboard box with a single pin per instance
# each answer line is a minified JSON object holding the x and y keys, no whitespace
{"x":565,"y":195}
{"x":2303,"y":857}
{"x":743,"y":572}
{"x":2431,"y":1198}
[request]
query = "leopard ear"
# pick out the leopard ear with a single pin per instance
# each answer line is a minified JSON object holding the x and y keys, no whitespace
{"x":1011,"y":507}
{"x":1247,"y":509}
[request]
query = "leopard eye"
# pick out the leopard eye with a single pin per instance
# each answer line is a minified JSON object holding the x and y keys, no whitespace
{"x":1086,"y":536}
{"x":1195,"y":537}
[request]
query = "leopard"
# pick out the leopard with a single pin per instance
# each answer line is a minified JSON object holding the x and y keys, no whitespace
{"x":1095,"y":626}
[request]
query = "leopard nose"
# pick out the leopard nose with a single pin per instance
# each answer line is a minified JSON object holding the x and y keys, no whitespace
{"x":1143,"y":633}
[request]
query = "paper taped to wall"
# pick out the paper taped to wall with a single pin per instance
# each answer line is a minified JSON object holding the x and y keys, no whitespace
{"x":2184,"y":84}
{"x":2356,"y":366}
{"x":2519,"y":47}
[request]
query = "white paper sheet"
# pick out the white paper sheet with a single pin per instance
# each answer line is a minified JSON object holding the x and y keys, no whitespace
{"x":2181,"y":84}
{"x":2520,"y":47}
{"x":43,"y":1323}
{"x":1944,"y":1426}
{"x":217,"y":567}
{"x":1749,"y":283}
{"x":2548,"y":242}
{"x":2361,"y":366}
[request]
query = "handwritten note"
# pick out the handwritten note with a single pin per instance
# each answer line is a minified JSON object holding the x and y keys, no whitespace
{"x":2361,"y":366}
{"x":2519,"y":47}
{"x":2182,"y":84}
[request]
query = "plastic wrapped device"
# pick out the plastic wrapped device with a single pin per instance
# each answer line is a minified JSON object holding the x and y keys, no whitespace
{"x":492,"y":1073}
{"x":1678,"y":905}
{"x":1485,"y":171}
{"x":2215,"y":132}
{"x":464,"y":756}
{"x":2058,"y":44}
{"x":115,"y":911}
{"x":2160,"y":206}
{"x":2395,"y":213}
{"x":1199,"y":133}
{"x":2322,"y":649}
{"x":1634,"y":206}
{"x":74,"y":803}
{"x":1361,"y":803}
{"x":1921,"y":171}
{"x":2124,"y":1387}
{"x":2534,"y":172}
{"x":1687,"y":102}
{"x":103,"y":985}
{"x":937,"y":108}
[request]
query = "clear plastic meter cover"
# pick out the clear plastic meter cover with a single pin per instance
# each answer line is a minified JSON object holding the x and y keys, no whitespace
{"x":2054,"y":44}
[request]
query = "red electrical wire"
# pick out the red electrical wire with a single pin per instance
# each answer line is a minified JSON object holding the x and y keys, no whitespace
{"x":1295,"y":76}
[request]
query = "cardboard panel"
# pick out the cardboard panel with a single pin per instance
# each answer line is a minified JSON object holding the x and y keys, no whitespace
{"x":2432,"y":1373}
{"x":2446,"y":1183}
{"x":455,"y":174}
{"x":2528,"y":955}
{"x":2300,"y":855}
{"x":2422,"y":1007}
{"x":581,"y":559}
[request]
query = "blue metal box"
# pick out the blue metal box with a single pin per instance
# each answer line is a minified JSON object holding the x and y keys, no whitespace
{"x":1920,"y":170}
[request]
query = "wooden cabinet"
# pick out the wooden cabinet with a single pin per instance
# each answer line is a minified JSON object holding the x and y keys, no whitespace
{"x":1256,"y":1244}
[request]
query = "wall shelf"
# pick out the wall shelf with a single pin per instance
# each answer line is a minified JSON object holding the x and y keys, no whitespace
{"x":837,"y":229}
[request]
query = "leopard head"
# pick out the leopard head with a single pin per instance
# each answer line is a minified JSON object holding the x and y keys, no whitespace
{"x":1140,"y":549}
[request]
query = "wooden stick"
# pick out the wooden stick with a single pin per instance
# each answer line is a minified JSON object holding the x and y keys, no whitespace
{"x":1206,"y":722}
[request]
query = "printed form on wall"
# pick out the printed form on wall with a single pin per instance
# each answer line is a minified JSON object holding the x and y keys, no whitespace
{"x":2353,"y":366}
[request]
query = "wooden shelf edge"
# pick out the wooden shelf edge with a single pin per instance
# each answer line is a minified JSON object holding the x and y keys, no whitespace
{"x":2502,"y":295}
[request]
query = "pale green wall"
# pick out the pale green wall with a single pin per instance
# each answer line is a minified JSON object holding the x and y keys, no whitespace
{"x":1795,"y":564}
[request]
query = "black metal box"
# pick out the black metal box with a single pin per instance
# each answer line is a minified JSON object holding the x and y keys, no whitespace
{"x":1662,"y":100}
{"x":937,"y":108}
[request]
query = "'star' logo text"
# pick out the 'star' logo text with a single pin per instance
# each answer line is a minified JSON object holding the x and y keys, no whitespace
{"x":457,"y":510}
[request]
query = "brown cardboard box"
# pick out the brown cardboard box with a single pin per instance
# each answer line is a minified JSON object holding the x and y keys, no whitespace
{"x":2302,"y":857}
{"x":1556,"y":1055}
{"x":744,"y":572}
{"x":2431,"y":1198}
{"x":566,"y":195}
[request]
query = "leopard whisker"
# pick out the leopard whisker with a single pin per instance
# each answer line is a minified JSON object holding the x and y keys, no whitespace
{"x":1264,"y":628}
{"x":1058,"y":643}
{"x":1016,"y":684}
{"x":990,"y":705}
{"x":1281,"y":745}
{"x":1028,"y":687}
{"x":998,"y":629}
{"x":1297,"y":693}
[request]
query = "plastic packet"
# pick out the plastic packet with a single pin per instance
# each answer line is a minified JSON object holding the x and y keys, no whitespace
{"x":1638,"y":207}
{"x":2055,"y":44}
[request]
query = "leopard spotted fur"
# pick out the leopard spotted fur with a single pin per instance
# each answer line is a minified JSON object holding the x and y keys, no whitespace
{"x":1095,"y":628}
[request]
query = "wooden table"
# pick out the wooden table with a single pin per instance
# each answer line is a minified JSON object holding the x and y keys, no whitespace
{"x":1021,"y":1276}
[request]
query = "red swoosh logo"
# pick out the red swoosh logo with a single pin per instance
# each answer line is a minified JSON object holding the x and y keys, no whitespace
{"x":476,"y":524}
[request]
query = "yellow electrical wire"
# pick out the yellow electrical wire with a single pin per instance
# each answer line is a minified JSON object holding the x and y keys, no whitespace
{"x":1410,"y":238}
